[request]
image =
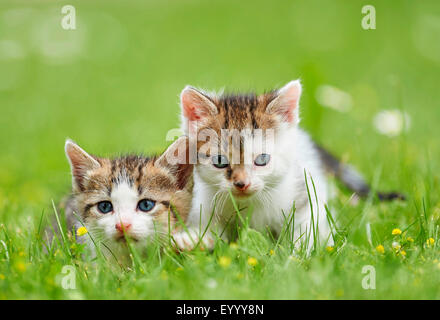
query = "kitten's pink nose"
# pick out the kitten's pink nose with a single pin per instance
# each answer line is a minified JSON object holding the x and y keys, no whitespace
{"x":121,"y":227}
{"x":242,"y":186}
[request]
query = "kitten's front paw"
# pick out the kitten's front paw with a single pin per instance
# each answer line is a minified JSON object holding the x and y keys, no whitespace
{"x":187,"y":241}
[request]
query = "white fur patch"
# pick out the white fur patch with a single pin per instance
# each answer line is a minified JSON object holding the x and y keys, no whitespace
{"x":124,"y":199}
{"x":276,"y":188}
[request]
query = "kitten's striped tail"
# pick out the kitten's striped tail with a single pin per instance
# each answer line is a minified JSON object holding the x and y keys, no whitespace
{"x":351,"y":178}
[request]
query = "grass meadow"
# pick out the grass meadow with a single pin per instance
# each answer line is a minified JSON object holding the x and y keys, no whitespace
{"x":370,"y":96}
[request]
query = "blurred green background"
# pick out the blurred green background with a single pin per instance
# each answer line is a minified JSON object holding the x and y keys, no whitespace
{"x":112,"y":84}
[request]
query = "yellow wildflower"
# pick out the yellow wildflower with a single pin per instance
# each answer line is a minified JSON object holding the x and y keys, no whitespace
{"x":233,"y":245}
{"x":252,"y":261}
{"x":2,"y":276}
{"x":396,"y":232}
{"x":403,"y":252}
{"x":409,"y":239}
{"x":329,"y":249}
{"x":81,"y":231}
{"x":380,"y":248}
{"x":20,"y":266}
{"x":224,"y":261}
{"x":271,"y":252}
{"x":430,"y":241}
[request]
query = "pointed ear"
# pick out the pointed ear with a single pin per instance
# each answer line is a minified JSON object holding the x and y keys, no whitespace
{"x":176,"y":160}
{"x":196,"y":105}
{"x":80,"y":163}
{"x":286,"y":103}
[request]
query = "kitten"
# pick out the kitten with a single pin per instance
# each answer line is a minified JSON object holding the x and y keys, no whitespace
{"x":273,"y":181}
{"x":131,"y":194}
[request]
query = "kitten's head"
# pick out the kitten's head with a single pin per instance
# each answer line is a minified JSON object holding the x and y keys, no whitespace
{"x":131,"y":194}
{"x":249,"y":135}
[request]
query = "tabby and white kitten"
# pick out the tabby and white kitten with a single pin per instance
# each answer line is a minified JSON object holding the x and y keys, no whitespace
{"x":134,"y":195}
{"x":272,"y":182}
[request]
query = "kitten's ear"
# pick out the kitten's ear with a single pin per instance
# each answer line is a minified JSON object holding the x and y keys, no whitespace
{"x":176,"y":160}
{"x":80,"y":163}
{"x":196,"y":106}
{"x":286,"y":103}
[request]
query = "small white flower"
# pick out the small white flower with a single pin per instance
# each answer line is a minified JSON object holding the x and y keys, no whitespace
{"x":211,"y":284}
{"x":391,"y":122}
{"x":334,"y":98}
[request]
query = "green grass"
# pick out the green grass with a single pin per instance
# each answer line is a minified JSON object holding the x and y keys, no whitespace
{"x":112,"y":85}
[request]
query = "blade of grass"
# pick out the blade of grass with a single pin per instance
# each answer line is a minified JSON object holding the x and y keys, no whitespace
{"x":63,"y":236}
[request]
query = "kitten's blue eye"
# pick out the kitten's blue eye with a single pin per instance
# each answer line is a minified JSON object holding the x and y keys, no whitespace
{"x":220,"y":161}
{"x":262,"y":159}
{"x":105,"y":207}
{"x":146,"y":205}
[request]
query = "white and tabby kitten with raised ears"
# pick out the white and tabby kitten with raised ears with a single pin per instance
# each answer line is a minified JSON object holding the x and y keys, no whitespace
{"x":129,"y":196}
{"x":272,"y":182}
